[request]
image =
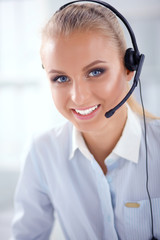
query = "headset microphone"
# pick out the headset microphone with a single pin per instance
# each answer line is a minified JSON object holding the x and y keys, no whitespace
{"x":135,"y":82}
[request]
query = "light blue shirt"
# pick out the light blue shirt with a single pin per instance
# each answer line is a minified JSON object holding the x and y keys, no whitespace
{"x":60,"y":175}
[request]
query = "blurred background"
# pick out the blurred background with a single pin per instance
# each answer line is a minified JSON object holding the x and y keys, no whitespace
{"x":26,"y":108}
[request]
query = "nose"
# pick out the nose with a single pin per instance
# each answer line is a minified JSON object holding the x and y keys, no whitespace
{"x":80,"y":92}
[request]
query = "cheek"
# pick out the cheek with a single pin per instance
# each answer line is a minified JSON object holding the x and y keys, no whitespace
{"x":112,"y":89}
{"x":58,"y":98}
{"x":118,"y":87}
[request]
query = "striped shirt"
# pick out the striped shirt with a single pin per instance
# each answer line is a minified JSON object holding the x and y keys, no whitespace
{"x":61,"y":175}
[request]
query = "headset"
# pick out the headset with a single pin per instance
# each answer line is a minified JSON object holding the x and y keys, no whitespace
{"x":133,"y":61}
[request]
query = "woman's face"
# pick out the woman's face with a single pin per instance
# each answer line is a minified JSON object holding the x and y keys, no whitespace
{"x":87,"y":78}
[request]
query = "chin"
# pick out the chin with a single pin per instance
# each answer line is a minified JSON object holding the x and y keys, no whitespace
{"x":90,"y":127}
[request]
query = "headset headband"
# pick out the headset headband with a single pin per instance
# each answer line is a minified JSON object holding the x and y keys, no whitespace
{"x":118,"y":14}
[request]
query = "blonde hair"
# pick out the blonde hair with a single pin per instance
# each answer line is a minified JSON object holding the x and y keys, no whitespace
{"x":90,"y":17}
{"x":85,"y":18}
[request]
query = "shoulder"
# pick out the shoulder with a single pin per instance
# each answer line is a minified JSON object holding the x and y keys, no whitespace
{"x":153,"y":134}
{"x":153,"y":128}
{"x":46,"y":155}
{"x":52,"y":144}
{"x":152,"y":131}
{"x":152,"y":125}
{"x":60,"y":135}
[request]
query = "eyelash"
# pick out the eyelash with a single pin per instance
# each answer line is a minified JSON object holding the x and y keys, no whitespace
{"x":56,"y":79}
{"x":100,"y":70}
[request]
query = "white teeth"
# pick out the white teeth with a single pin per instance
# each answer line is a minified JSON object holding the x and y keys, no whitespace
{"x":86,"y":111}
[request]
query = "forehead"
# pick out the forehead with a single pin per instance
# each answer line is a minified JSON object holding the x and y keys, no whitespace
{"x":79,"y":44}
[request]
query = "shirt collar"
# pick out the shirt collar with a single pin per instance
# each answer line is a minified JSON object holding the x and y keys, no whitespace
{"x":127,"y":147}
{"x":79,"y":143}
{"x":129,"y":144}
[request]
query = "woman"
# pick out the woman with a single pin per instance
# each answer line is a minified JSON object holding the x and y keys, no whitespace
{"x":92,"y":170}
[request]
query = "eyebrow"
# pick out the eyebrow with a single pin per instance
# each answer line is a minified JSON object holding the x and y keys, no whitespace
{"x":92,"y":64}
{"x":56,"y":71}
{"x":84,"y":68}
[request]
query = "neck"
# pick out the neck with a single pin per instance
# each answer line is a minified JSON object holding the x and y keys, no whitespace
{"x":102,"y":143}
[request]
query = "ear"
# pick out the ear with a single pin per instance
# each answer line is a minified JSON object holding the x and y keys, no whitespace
{"x":129,"y":75}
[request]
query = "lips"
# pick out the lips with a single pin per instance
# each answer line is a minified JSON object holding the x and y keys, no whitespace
{"x":86,"y":113}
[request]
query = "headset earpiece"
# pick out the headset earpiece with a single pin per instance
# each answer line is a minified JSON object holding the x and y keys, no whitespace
{"x":131,"y":60}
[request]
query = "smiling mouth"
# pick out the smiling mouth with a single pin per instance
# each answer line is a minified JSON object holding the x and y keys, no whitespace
{"x":86,"y":111}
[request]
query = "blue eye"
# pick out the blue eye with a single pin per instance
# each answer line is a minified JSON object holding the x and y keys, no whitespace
{"x":61,"y":79}
{"x":96,"y":72}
